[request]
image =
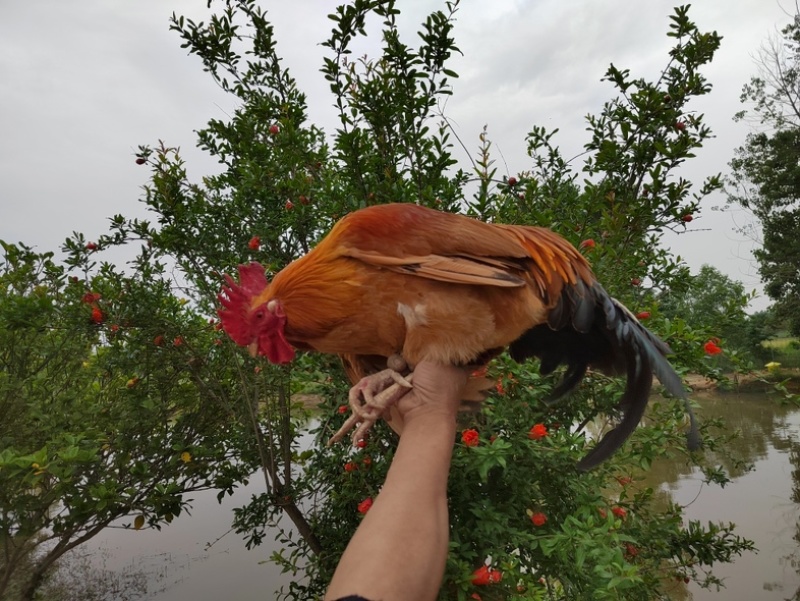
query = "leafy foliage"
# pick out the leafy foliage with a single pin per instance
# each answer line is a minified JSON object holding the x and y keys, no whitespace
{"x":105,"y":409}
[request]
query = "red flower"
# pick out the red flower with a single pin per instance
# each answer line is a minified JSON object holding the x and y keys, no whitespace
{"x":255,"y":243}
{"x":365,"y":505}
{"x":588,"y":243}
{"x":480,"y":372}
{"x":289,"y":205}
{"x":342,"y":409}
{"x":538,"y":432}
{"x":90,"y":297}
{"x":114,"y":328}
{"x":91,"y":246}
{"x":499,"y":386}
{"x":711,"y":348}
{"x":158,"y":340}
{"x":350,"y":466}
{"x":97,"y":315}
{"x":485,"y":575}
{"x":367,"y":460}
{"x":470,"y":438}
{"x":687,"y":218}
{"x":631,"y":550}
{"x":643,"y":315}
{"x":620,"y":512}
{"x":624,"y":480}
{"x":361,"y":443}
{"x":512,"y":181}
{"x":603,"y":513}
{"x":539,"y":519}
{"x":480,"y":577}
{"x":178,"y":341}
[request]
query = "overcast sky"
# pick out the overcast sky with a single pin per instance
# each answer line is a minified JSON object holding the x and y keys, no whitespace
{"x":83,"y":83}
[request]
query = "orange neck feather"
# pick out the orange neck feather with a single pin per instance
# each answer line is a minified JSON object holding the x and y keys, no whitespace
{"x":317,"y":292}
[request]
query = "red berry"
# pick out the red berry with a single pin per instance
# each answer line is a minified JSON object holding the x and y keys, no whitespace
{"x":141,"y":161}
{"x":635,"y":281}
{"x":512,"y":181}
{"x":274,"y":129}
{"x":254,"y":243}
{"x":91,"y":246}
{"x":361,"y":443}
{"x":680,"y":125}
{"x":643,"y":315}
{"x":687,"y":218}
{"x":178,"y":341}
{"x":588,"y":243}
{"x":289,"y":205}
{"x":303,"y":200}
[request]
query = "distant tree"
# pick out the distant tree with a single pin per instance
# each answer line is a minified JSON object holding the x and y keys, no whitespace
{"x":710,"y":299}
{"x":766,"y":169}
{"x":716,"y":303}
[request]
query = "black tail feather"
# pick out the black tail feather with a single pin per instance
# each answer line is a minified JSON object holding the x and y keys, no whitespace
{"x":588,"y":327}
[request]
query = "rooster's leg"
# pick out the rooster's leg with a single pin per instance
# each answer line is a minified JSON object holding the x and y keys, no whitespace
{"x":370,"y":399}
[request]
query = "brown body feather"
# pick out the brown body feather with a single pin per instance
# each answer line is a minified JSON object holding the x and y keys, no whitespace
{"x":382,"y":283}
{"x":403,"y":279}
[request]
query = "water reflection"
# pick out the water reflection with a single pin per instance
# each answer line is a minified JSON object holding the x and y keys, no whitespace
{"x":196,"y":557}
{"x":762,"y":502}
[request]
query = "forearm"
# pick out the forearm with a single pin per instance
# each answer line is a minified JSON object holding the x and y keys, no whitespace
{"x":399,"y":550}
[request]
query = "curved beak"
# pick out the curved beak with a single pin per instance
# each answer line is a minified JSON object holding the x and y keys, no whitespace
{"x":252,"y":348}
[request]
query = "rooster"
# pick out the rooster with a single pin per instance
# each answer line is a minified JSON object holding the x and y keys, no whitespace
{"x":394,"y":284}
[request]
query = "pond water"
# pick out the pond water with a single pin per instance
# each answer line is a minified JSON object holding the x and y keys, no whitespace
{"x":179,"y":564}
{"x":764,"y":502}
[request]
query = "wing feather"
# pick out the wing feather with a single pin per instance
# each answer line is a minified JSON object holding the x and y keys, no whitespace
{"x":455,"y":269}
{"x":457,"y":249}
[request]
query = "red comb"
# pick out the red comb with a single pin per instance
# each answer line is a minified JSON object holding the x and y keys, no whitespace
{"x":236,"y":300}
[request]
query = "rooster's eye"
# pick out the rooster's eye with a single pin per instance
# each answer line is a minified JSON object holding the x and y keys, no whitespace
{"x":260,"y":315}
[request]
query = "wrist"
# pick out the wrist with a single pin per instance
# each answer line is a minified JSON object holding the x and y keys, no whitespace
{"x":432,"y":415}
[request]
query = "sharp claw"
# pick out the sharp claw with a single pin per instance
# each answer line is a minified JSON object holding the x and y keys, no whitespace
{"x":368,"y":407}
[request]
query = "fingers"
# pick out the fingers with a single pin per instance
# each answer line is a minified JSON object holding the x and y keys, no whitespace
{"x":439,"y":383}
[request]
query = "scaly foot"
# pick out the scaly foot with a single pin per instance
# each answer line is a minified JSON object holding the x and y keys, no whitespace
{"x":370,"y":399}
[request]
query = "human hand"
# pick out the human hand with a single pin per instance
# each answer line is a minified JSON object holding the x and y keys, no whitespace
{"x":437,"y":392}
